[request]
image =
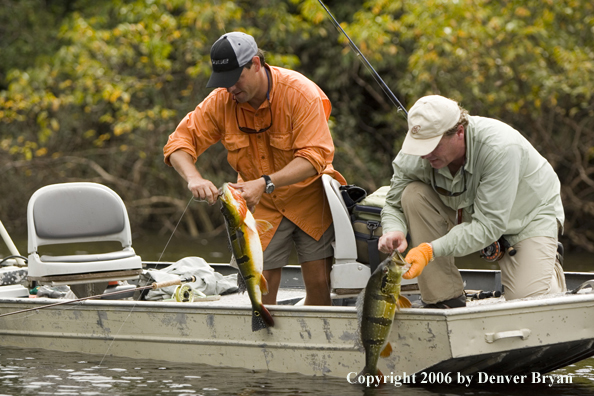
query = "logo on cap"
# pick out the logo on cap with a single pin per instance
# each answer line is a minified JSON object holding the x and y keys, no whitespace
{"x":415,"y":129}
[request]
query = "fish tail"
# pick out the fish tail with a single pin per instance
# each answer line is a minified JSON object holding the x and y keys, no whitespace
{"x":261,"y":318}
{"x":369,"y":372}
{"x":241,"y":285}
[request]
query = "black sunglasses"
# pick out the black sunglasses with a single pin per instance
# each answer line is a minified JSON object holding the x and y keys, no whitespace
{"x":445,"y":192}
{"x":250,"y":130}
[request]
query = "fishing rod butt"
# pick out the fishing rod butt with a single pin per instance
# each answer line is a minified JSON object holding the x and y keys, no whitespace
{"x":173,"y":282}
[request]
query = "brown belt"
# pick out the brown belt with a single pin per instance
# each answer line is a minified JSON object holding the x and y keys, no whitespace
{"x":459,"y":216}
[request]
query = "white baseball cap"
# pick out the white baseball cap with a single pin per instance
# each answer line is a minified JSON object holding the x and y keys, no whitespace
{"x":428,"y":119}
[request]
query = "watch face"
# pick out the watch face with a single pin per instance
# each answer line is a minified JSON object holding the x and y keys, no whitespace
{"x":269,"y":187}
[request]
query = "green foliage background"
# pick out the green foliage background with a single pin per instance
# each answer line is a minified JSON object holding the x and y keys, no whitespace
{"x":91,"y":90}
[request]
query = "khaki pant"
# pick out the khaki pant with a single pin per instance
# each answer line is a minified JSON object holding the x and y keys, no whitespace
{"x":533,"y":271}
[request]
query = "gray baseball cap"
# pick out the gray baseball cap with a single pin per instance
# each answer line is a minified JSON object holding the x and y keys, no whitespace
{"x":229,"y":54}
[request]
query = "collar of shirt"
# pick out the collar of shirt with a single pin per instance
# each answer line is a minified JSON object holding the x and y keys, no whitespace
{"x":269,"y":95}
{"x":272,"y":82}
{"x":469,"y":141}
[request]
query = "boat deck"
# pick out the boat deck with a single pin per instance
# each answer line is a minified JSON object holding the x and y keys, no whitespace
{"x":285,"y":296}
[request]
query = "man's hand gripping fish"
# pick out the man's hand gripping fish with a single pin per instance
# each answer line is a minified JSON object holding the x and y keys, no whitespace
{"x":243,"y":231}
{"x":377,"y":305}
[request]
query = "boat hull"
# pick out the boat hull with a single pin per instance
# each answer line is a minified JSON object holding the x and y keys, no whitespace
{"x":320,"y":341}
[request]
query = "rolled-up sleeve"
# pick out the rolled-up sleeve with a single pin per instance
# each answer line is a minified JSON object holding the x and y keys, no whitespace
{"x":196,"y":132}
{"x":311,"y":135}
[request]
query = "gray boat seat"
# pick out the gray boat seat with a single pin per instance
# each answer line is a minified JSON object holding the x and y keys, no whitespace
{"x":348,"y":276}
{"x":79,"y":213}
{"x":347,"y":273}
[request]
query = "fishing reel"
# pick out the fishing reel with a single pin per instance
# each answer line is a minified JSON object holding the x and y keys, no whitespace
{"x":183,"y":293}
{"x":496,"y":250}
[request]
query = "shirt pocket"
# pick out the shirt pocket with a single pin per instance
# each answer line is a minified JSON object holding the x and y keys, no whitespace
{"x":281,"y":141}
{"x":237,"y":147}
{"x":282,"y":149}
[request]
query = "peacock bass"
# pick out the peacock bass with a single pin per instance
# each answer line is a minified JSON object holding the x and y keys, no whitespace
{"x":243,"y":231}
{"x":377,"y":305}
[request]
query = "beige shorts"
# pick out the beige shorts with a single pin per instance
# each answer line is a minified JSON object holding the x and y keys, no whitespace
{"x":288,"y":235}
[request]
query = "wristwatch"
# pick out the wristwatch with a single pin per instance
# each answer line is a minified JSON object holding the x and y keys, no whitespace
{"x":269,"y":184}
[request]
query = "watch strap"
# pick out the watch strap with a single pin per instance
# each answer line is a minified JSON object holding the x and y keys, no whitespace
{"x":269,"y":184}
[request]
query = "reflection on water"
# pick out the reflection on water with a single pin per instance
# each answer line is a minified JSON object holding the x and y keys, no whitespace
{"x":38,"y":372}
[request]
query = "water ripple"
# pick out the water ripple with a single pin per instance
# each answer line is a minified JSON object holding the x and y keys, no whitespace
{"x":40,"y":372}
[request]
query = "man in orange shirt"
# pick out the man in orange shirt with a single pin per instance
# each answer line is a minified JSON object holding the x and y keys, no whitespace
{"x":274,"y":124}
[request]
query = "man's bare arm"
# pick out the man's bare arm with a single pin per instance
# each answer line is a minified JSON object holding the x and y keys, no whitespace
{"x":201,"y":188}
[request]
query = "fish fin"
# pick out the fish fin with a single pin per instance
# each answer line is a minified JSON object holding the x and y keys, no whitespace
{"x":233,"y":262}
{"x":263,"y":285}
{"x":403,"y":302}
{"x":261,"y":318}
{"x":387,"y":351}
{"x":359,"y":305}
{"x":241,"y":286}
{"x":262,"y":226}
{"x":267,"y":317}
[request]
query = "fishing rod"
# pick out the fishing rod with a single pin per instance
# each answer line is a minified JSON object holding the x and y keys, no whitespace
{"x":375,"y":74}
{"x":153,"y":286}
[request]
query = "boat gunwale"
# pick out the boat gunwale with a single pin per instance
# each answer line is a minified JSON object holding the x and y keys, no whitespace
{"x":506,"y":306}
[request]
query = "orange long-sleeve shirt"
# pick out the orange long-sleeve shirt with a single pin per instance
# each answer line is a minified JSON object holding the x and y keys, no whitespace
{"x":300,"y":112}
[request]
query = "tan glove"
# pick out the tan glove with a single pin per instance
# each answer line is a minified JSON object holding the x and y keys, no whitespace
{"x":418,"y":258}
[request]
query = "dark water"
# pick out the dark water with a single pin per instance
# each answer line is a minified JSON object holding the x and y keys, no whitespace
{"x":38,"y":372}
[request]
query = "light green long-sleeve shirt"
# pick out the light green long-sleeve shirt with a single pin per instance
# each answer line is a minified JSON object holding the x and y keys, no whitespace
{"x":511,"y":190}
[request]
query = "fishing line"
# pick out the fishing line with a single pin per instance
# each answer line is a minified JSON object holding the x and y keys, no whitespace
{"x":219,"y":17}
{"x":367,"y":64}
{"x":375,"y":74}
{"x":136,"y":301}
{"x":175,"y":229}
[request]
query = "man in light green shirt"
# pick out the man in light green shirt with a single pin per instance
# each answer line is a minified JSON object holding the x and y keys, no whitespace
{"x":462,"y":182}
